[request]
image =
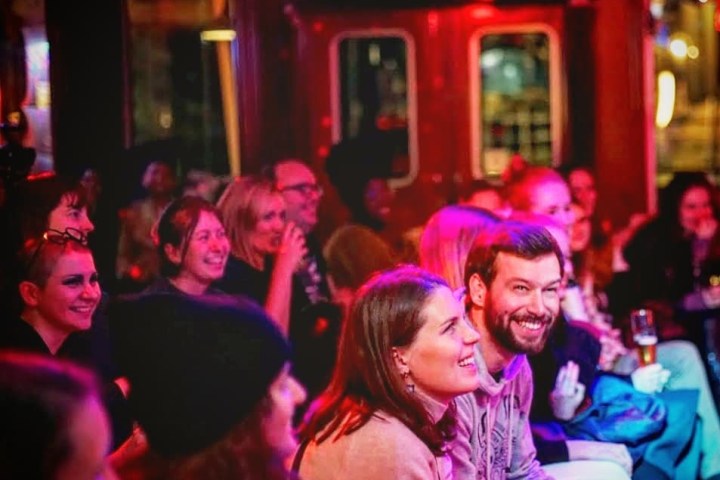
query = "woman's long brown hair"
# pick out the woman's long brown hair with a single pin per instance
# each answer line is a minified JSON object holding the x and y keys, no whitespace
{"x":386,"y":313}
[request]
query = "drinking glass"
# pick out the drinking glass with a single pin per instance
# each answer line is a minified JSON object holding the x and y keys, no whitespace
{"x":644,"y":334}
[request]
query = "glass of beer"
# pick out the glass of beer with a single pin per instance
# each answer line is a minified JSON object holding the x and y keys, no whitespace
{"x":644,"y":335}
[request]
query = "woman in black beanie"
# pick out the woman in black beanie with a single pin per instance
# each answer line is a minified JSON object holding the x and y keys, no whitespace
{"x":209,"y":387}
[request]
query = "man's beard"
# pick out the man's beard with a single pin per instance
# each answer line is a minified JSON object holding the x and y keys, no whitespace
{"x":500,"y":327}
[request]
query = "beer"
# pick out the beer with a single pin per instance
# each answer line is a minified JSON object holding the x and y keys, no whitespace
{"x":644,"y":335}
{"x":647,"y":348}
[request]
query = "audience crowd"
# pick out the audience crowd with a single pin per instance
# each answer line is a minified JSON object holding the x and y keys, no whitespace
{"x":235,"y":342}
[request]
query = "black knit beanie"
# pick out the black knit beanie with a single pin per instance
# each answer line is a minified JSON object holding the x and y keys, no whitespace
{"x":197,"y":366}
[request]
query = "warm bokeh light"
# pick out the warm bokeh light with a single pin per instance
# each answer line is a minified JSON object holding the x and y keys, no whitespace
{"x":679,"y":48}
{"x":665,"y":99}
{"x":224,"y":35}
{"x":693,"y":52}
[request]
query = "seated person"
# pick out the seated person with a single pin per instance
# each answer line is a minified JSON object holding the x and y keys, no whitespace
{"x":266,"y":253}
{"x":192,"y":246}
{"x":53,"y":423}
{"x":265,"y":249}
{"x":210,"y":388}
{"x":575,"y":401}
{"x":59,"y":292}
{"x":137,"y":263}
{"x":674,"y":261}
{"x":679,"y":366}
{"x":359,"y":169}
{"x":446,"y":240}
{"x":406,"y":352}
{"x":39,"y":204}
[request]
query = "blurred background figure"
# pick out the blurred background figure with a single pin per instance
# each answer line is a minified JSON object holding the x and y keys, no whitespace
{"x":674,"y":267}
{"x":137,"y":261}
{"x":16,"y":160}
{"x":483,"y":194}
{"x":447,"y":239}
{"x":543,"y":191}
{"x":53,"y":423}
{"x":582,"y":186}
{"x":92,"y":183}
{"x":358,"y":170}
{"x":204,"y":184}
{"x":210,"y":388}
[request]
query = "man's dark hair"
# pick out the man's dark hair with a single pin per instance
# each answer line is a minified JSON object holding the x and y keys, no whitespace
{"x":514,"y":238}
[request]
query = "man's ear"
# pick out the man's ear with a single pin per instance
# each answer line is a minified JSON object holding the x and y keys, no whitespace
{"x":477,"y":291}
{"x":30,"y":293}
{"x":173,"y":254}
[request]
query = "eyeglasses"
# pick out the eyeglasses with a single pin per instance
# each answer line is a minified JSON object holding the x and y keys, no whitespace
{"x":57,"y":237}
{"x":305,"y":188}
{"x":61,"y":237}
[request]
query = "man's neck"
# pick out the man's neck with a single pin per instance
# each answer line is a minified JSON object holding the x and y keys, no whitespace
{"x":495,"y":355}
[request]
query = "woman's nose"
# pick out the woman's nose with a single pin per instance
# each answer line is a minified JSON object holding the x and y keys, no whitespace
{"x":471,"y":335}
{"x":91,"y":291}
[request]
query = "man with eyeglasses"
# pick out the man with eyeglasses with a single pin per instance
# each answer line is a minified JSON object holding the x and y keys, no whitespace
{"x":301,"y":192}
{"x":314,"y":325}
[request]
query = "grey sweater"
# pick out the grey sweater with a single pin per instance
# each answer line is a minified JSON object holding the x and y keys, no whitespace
{"x":496,"y":414}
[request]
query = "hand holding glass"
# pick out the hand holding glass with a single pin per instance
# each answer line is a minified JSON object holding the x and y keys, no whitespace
{"x":644,"y":334}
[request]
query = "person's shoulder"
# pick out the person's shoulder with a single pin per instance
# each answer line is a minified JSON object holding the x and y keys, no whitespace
{"x":385,"y":433}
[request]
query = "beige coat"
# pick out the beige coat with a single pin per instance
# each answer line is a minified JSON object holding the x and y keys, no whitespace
{"x":383,"y":448}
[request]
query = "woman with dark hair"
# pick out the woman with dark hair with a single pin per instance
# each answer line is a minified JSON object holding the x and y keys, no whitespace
{"x":405,"y":353}
{"x":53,"y":424}
{"x":211,"y":387}
{"x":58,"y":290}
{"x":673,"y":258}
{"x":58,"y":293}
{"x":192,"y":247}
{"x":674,"y":269}
{"x":38,"y":204}
{"x":49,"y":202}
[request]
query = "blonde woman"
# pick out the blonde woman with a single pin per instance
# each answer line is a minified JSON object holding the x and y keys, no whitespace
{"x":447,"y":238}
{"x":265,"y":249}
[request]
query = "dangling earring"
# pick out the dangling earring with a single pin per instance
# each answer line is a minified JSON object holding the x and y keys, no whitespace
{"x":405,"y":374}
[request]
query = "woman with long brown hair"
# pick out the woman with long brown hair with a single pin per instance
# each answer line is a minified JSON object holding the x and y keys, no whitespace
{"x":405,"y":353}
